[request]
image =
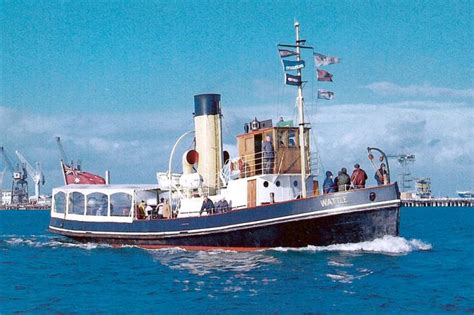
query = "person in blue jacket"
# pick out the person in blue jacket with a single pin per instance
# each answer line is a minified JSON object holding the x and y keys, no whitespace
{"x":328,"y":185}
{"x":207,"y":205}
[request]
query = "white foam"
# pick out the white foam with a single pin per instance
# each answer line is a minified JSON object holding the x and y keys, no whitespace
{"x":53,"y":243}
{"x":387,"y":245}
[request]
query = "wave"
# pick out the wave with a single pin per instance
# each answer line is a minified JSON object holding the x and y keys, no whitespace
{"x":206,"y":262}
{"x":390,"y":245}
{"x":39,"y":242}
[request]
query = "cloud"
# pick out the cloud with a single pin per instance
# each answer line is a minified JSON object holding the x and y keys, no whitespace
{"x":134,"y":146}
{"x":388,"y":88}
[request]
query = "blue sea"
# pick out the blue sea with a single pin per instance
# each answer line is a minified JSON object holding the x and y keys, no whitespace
{"x":429,"y":269}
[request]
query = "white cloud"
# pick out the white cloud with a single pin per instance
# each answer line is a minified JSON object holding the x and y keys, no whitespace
{"x":134,"y":146}
{"x":426,"y":90}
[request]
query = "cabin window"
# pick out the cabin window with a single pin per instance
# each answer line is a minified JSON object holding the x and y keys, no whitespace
{"x":76,"y":203}
{"x":292,"y":138}
{"x":120,"y":204}
{"x":60,"y":202}
{"x":281,"y":138}
{"x":97,"y":204}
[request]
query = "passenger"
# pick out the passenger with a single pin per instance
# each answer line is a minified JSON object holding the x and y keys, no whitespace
{"x":219,"y":206}
{"x":160,"y":208}
{"x":335,"y":181}
{"x":141,"y":210}
{"x":225,"y":206}
{"x":268,"y":155}
{"x":207,"y":205}
{"x":343,"y":180}
{"x":328,"y":185}
{"x":148,"y":211}
{"x":222,"y":206}
{"x":125,"y":211}
{"x":358,"y":177}
{"x":167,"y":210}
{"x":381,"y":175}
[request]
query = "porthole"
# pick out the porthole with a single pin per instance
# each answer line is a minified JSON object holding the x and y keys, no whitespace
{"x":372,"y":196}
{"x":265,"y":184}
{"x":277,"y":183}
{"x":295,"y":183}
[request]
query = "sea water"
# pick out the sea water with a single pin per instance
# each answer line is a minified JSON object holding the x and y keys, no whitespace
{"x":428,"y":269}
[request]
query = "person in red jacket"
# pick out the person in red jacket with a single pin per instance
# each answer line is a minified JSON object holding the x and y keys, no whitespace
{"x":358,"y":178}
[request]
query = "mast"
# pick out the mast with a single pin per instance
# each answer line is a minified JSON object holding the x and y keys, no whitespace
{"x":300,"y":102}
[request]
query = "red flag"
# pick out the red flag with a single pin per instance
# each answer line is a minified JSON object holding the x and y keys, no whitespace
{"x":74,"y":176}
{"x":322,"y":60}
{"x":287,"y":53}
{"x":324,"y":75}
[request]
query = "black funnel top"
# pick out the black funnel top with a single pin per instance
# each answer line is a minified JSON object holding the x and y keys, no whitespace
{"x":207,"y":104}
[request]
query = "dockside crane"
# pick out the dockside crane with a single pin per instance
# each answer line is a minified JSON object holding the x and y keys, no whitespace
{"x":2,"y":174}
{"x":19,"y":182}
{"x":405,"y":175}
{"x":64,"y":158}
{"x":35,"y":173}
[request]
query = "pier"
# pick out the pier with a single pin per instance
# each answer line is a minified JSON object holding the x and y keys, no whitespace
{"x":25,"y":207}
{"x":438,"y":202}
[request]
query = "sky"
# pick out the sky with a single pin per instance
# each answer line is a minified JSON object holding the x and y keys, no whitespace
{"x":116,"y":79}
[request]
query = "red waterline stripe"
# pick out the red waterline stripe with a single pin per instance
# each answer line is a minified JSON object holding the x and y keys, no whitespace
{"x":201,"y":248}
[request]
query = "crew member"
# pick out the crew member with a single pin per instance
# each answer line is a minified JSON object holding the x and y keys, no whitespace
{"x":268,"y":155}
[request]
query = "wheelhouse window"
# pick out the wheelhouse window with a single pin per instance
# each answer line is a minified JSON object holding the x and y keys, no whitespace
{"x":120,"y":204}
{"x":292,"y":138}
{"x":282,"y":136}
{"x":76,"y":203}
{"x":60,"y":202}
{"x":97,"y":204}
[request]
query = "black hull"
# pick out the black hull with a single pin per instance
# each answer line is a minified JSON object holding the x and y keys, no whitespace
{"x":343,"y":228}
{"x":346,"y":217}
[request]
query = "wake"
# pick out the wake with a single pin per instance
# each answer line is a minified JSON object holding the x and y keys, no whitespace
{"x":390,"y":245}
{"x":41,"y":242}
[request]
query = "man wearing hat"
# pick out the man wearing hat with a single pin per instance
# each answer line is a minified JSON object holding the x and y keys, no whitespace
{"x":358,"y":178}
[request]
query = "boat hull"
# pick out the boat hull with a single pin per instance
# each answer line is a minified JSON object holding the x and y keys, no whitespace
{"x":348,"y":217}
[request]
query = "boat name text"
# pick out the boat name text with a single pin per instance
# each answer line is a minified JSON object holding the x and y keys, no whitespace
{"x":333,"y":201}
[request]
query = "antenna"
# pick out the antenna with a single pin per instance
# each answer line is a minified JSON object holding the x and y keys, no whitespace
{"x":405,"y":175}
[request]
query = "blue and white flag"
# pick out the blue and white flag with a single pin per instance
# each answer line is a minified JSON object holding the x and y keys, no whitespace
{"x":322,"y":60}
{"x":293,"y":65}
{"x":292,"y":79}
{"x":287,"y":53}
{"x":325,"y":94}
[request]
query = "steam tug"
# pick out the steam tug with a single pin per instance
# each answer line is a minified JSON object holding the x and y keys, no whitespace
{"x":267,"y":204}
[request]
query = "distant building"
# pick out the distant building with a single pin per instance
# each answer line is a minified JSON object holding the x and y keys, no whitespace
{"x":6,"y":197}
